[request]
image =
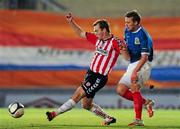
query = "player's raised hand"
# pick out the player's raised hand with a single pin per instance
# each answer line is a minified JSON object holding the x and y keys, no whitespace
{"x":75,"y":26}
{"x":69,"y":17}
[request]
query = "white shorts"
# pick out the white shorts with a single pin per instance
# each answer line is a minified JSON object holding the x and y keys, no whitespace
{"x":143,"y":74}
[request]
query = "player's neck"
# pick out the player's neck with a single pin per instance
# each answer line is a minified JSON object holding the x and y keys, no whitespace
{"x":107,"y":36}
{"x":136,"y":28}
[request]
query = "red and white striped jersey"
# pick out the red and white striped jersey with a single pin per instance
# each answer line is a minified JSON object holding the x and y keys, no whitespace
{"x":106,"y":54}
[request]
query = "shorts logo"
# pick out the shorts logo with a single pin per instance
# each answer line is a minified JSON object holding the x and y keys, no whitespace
{"x":91,"y":89}
{"x":88,"y":84}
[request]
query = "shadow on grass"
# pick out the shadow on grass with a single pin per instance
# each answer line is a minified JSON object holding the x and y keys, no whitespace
{"x":78,"y":126}
{"x":45,"y":126}
{"x":110,"y":126}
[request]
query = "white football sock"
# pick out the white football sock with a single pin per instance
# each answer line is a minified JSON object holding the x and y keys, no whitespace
{"x":97,"y":110}
{"x":66,"y":106}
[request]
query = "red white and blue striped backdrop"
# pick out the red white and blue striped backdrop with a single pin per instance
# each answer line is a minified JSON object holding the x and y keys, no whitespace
{"x":47,"y":53}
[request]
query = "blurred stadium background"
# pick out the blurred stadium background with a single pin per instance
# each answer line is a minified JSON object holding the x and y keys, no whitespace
{"x":42,"y":60}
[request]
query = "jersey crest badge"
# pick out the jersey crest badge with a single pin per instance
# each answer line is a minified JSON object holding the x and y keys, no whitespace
{"x":136,"y":41}
{"x":102,"y":52}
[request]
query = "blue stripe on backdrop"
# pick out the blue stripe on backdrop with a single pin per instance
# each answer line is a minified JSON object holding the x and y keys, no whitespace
{"x":166,"y":74}
{"x":160,"y":73}
{"x":48,"y":67}
{"x":41,"y":67}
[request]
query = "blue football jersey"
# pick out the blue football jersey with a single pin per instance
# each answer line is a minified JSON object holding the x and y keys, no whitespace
{"x":139,"y":42}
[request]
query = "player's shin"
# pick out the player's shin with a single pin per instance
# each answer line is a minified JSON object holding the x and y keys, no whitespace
{"x":138,"y":104}
{"x":128,"y":95}
{"x":97,"y":110}
{"x":79,"y":93}
{"x":66,"y":106}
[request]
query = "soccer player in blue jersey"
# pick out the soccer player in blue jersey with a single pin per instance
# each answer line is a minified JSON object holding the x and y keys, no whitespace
{"x":140,"y":54}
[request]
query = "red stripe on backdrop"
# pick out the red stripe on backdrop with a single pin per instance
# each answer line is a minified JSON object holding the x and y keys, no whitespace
{"x":59,"y":79}
{"x":13,"y":39}
{"x":167,"y":44}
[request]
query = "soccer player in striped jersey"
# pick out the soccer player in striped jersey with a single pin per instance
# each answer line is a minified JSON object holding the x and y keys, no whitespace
{"x":107,"y":50}
{"x":140,"y":48}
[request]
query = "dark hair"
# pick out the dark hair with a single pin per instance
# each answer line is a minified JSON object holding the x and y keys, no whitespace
{"x":102,"y":24}
{"x":135,"y":15}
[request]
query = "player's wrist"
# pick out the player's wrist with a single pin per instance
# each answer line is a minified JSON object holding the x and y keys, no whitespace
{"x":135,"y":71}
{"x":70,"y":20}
{"x":124,"y":49}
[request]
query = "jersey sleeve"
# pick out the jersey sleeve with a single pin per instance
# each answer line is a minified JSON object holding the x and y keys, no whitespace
{"x":125,"y":32}
{"x":144,"y":45}
{"x":117,"y":45}
{"x":91,"y":37}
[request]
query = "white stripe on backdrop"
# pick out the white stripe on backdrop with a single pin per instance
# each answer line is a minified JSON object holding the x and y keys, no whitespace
{"x":39,"y":56}
{"x":43,"y":56}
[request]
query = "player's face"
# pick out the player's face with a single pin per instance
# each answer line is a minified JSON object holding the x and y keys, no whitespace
{"x":130,"y":24}
{"x":98,"y":32}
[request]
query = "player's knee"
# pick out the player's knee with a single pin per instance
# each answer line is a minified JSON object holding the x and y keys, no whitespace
{"x":120,"y":90}
{"x":78,"y":94}
{"x":135,"y":87}
{"x":87,"y":107}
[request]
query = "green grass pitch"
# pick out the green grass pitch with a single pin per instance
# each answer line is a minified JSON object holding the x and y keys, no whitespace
{"x":82,"y":119}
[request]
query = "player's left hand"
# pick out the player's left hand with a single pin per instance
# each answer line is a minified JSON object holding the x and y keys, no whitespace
{"x":134,"y":77}
{"x":69,"y":17}
{"x":123,"y":45}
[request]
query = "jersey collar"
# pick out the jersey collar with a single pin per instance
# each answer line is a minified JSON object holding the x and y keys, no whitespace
{"x":108,"y":38}
{"x":137,"y":30}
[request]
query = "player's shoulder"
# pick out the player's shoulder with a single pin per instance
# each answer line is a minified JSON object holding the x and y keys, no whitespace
{"x":90,"y":34}
{"x":117,"y":41}
{"x":145,"y":33}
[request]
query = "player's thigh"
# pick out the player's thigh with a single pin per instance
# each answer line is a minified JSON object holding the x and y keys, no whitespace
{"x":144,"y":74}
{"x":86,"y":103}
{"x":126,"y":79}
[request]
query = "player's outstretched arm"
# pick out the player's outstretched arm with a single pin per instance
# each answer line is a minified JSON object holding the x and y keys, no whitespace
{"x":123,"y":49}
{"x":125,"y":53}
{"x":75,"y":26}
{"x":142,"y":61}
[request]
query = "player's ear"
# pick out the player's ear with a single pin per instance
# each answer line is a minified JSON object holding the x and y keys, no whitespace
{"x":136,"y":23}
{"x":104,"y":30}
